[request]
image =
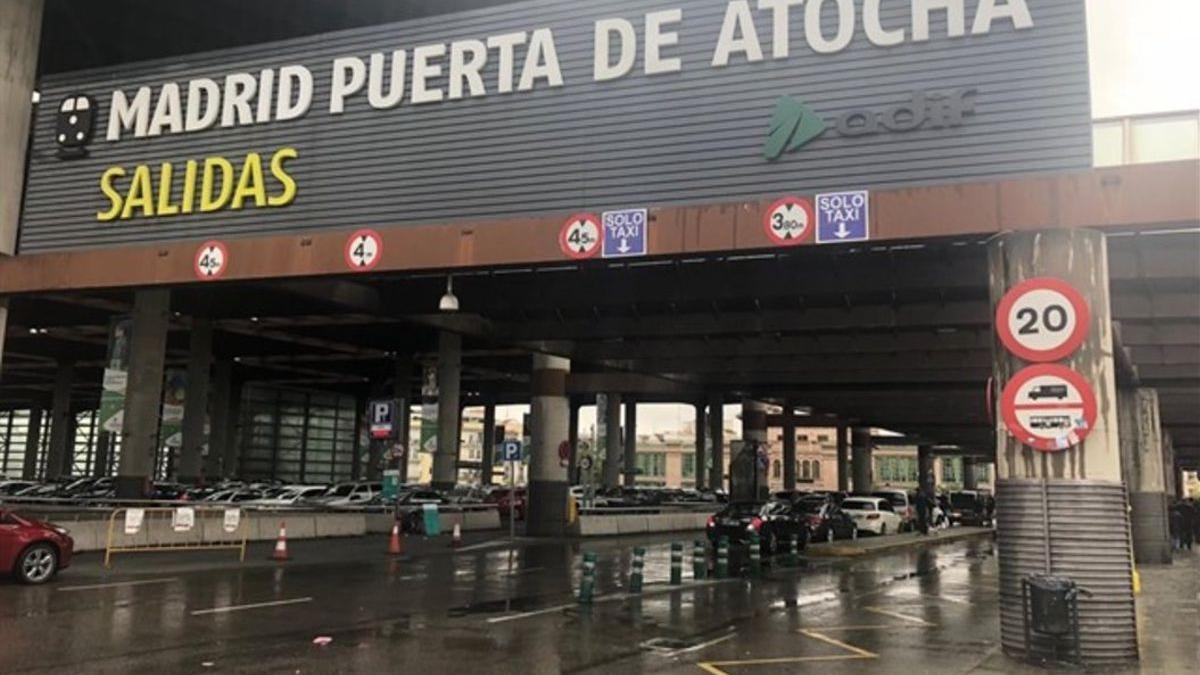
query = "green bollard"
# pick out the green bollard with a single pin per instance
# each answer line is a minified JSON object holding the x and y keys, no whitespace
{"x":676,"y":563}
{"x":722,"y":570}
{"x":755,"y":555}
{"x":635,"y":577}
{"x":587,"y":584}
{"x":794,"y":550}
{"x":699,"y":560}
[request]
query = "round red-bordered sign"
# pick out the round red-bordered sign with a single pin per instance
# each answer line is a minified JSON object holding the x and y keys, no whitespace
{"x":211,"y":261}
{"x":1043,"y":319}
{"x":580,"y":237}
{"x":1049,"y":407}
{"x":790,"y":221}
{"x":363,"y":250}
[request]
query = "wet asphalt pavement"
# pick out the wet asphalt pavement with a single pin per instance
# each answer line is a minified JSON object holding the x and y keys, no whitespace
{"x":918,"y":610}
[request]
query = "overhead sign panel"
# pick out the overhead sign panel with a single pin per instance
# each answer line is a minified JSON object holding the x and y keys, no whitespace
{"x":556,"y":106}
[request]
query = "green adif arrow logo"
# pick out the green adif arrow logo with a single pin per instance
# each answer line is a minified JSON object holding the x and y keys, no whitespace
{"x":793,"y":125}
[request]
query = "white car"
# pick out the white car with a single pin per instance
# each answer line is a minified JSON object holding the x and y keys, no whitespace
{"x":12,"y":487}
{"x":873,"y":514}
{"x":347,"y":494}
{"x":289,"y":496}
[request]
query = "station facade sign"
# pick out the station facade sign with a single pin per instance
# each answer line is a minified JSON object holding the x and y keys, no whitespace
{"x":549,"y":106}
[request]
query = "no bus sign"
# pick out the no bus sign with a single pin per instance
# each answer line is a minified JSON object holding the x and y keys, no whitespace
{"x":1043,"y":319}
{"x":212,"y":259}
{"x":580,"y":236}
{"x":363,"y":250}
{"x":789,"y":221}
{"x":1049,"y":407}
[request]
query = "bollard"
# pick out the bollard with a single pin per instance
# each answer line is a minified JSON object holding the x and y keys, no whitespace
{"x":794,"y":550}
{"x":587,"y":584}
{"x":635,"y":577}
{"x":676,"y":563}
{"x":699,"y":560}
{"x":722,"y":570}
{"x":755,"y":555}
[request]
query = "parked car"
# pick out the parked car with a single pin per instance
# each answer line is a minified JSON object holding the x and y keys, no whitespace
{"x":873,"y":514}
{"x":968,"y":507}
{"x":10,"y":488}
{"x":506,"y":503}
{"x":775,"y":522}
{"x":346,"y":494}
{"x":411,"y":504}
{"x":903,"y":504}
{"x":287,"y":496}
{"x":826,"y":520}
{"x":33,"y":551}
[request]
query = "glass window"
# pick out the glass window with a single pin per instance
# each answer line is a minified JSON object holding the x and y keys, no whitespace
{"x":1108,"y":144}
{"x":1164,"y":139}
{"x":689,"y":466}
{"x":777,"y":469}
{"x":816,"y":469}
{"x":805,"y":469}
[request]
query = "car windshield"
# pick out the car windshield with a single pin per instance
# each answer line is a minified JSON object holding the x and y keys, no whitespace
{"x":962,"y":500}
{"x":810,"y":505}
{"x":340,"y":490}
{"x":895,"y":498}
{"x":858,"y":505}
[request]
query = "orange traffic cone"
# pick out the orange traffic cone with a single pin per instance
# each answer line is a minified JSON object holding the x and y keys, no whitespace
{"x":281,"y":550}
{"x":456,"y":539}
{"x":396,"y":545}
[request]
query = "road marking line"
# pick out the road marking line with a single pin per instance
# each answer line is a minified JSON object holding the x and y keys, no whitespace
{"x":862,"y":653}
{"x":897,"y":615}
{"x":536,"y":612}
{"x":119,"y":584}
{"x":873,"y":627}
{"x":495,"y":543}
{"x":712,"y":666}
{"x":659,"y":589}
{"x":257,"y":605}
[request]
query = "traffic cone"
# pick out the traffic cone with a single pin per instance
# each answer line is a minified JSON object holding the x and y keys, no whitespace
{"x":281,"y":550}
{"x":396,"y":545}
{"x":456,"y":539}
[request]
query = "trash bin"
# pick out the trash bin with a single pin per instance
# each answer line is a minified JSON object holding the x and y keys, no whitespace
{"x":1051,"y":604}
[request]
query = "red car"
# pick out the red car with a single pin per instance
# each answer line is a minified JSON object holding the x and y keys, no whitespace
{"x":505,"y":504}
{"x":33,"y":551}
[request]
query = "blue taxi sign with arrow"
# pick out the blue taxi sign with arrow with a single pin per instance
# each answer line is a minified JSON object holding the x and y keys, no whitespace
{"x":843,"y":217}
{"x":625,"y":233}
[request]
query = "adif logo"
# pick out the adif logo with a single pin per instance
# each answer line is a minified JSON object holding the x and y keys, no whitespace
{"x":73,"y":130}
{"x":792,"y":126}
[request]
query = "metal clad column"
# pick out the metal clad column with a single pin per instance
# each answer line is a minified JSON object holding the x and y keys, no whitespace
{"x":143,"y":400}
{"x":449,"y":372}
{"x":630,"y":463}
{"x":612,"y":441}
{"x":60,"y":422}
{"x":195,"y":402}
{"x":843,"y":459}
{"x":701,"y":440}
{"x":860,"y":442}
{"x":33,"y":445}
{"x":789,"y":446}
{"x":549,"y":413}
{"x":716,"y":432}
{"x":1064,"y":513}
{"x":1142,"y":460}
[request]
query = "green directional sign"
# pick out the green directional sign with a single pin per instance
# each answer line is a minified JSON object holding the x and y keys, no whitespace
{"x":792,"y":126}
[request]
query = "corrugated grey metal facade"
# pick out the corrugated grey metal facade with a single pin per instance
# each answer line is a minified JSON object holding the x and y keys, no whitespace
{"x":643,"y":140}
{"x":1075,"y":529}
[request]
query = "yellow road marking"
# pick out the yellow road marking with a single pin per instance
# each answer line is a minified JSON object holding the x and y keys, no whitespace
{"x":876,"y":626}
{"x":715,"y":667}
{"x":838,"y":643}
{"x":897,"y":615}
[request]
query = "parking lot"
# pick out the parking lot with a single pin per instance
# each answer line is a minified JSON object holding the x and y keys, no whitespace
{"x":927,"y":607}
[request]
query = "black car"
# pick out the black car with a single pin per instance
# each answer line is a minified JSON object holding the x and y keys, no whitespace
{"x":826,"y":520}
{"x":968,"y":507}
{"x":775,"y":522}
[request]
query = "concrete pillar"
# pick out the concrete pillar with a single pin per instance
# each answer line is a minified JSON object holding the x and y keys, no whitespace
{"x":863,"y":472}
{"x":222,"y":445}
{"x":843,"y":458}
{"x":549,"y":414}
{"x":573,"y":439}
{"x":449,"y":375}
{"x":103,"y":448}
{"x":402,"y":392}
{"x":33,"y":445}
{"x":716,"y":434}
{"x":487,"y":461}
{"x":969,"y":478}
{"x":143,"y":398}
{"x":789,"y":446}
{"x":195,"y":402}
{"x":60,"y":421}
{"x":1064,"y":512}
{"x":20,"y":36}
{"x":630,"y":436}
{"x":361,"y":401}
{"x":701,"y":450}
{"x":926,"y":480}
{"x":612,"y":441}
{"x":1142,"y":460}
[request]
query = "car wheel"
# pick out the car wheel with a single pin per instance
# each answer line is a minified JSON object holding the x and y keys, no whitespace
{"x":37,"y":564}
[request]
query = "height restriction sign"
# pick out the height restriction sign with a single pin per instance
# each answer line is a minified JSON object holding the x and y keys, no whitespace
{"x":1043,"y":319}
{"x":363,"y":250}
{"x":789,"y":221}
{"x":580,"y":236}
{"x":212,"y":258}
{"x":1049,"y":407}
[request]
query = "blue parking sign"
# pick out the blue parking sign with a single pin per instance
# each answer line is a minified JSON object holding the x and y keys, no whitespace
{"x":843,"y":217}
{"x":625,"y":233}
{"x":510,"y":451}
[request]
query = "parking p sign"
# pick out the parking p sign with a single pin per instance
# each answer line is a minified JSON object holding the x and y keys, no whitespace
{"x":843,"y":217}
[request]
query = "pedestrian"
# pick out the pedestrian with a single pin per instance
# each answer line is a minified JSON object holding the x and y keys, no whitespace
{"x":1189,"y":525}
{"x":1176,"y":527}
{"x":922,"y":506}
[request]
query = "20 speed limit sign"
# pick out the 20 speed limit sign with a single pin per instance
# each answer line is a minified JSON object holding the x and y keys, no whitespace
{"x":212,"y":259}
{"x":363,"y":250}
{"x":580,"y":236}
{"x":1049,"y":407}
{"x":789,"y":221}
{"x":1043,"y":319}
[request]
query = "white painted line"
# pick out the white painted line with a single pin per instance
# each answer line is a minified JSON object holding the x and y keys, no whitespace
{"x":706,"y":645}
{"x":897,"y":615}
{"x":119,"y":584}
{"x":257,"y":605}
{"x":483,"y":545}
{"x":536,"y":612}
{"x":649,"y":592}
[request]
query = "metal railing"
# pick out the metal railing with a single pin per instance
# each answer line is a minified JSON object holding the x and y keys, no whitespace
{"x":184,"y":528}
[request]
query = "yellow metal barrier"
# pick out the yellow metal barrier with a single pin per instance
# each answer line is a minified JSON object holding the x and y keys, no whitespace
{"x":183,"y":528}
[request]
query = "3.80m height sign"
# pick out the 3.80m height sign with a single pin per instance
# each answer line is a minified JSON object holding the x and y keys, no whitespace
{"x":1043,"y":320}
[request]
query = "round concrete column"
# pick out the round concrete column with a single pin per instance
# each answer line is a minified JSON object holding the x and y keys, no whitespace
{"x":1064,"y":513}
{"x":613,"y":452}
{"x":701,"y":446}
{"x":550,"y":416}
{"x":926,"y":480}
{"x":789,"y":446}
{"x":716,"y":435}
{"x":860,"y":443}
{"x":1142,"y":464}
{"x":143,"y":392}
{"x":449,"y":374}
{"x":843,"y":459}
{"x":631,"y":432}
{"x":970,"y":479}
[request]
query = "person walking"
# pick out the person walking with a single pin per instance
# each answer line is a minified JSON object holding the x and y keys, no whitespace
{"x":1175,"y":523}
{"x":1191,"y":523}
{"x":922,"y":506}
